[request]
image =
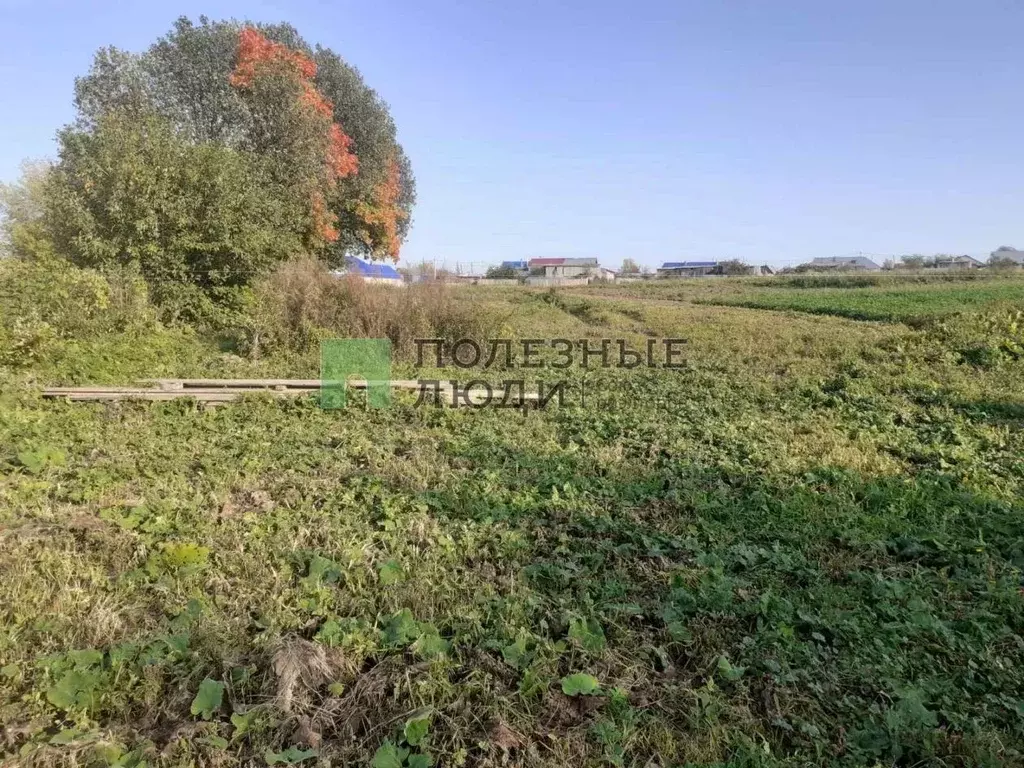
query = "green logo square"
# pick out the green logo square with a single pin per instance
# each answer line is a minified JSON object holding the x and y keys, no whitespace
{"x":366,"y":359}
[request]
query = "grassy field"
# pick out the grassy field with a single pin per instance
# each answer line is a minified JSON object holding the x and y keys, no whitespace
{"x":914,"y":304}
{"x":913,"y":298}
{"x":803,"y":548}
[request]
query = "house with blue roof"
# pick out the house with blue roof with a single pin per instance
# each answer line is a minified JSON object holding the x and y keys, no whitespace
{"x":371,"y":272}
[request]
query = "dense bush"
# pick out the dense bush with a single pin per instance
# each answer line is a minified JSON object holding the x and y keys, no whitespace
{"x":45,"y":301}
{"x":302,"y":302}
{"x":192,"y":218}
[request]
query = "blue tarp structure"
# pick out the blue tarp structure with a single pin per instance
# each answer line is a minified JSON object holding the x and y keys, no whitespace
{"x":366,"y":269}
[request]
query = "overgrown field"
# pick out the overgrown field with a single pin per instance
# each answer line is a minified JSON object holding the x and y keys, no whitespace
{"x":803,"y":548}
{"x":914,"y":304}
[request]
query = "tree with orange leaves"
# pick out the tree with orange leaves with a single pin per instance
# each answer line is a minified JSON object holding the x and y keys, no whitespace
{"x":383,"y":215}
{"x":316,"y":137}
{"x":311,"y":151}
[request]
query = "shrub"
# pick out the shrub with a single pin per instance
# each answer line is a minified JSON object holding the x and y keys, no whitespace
{"x":503,"y":273}
{"x":302,"y":303}
{"x":205,"y":225}
{"x":45,"y":300}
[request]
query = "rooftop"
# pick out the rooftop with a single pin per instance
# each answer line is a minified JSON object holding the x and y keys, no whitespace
{"x":860,"y":261}
{"x":564,"y":262}
{"x":367,"y":269}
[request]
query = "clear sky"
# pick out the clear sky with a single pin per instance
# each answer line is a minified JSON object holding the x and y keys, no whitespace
{"x":654,"y":129}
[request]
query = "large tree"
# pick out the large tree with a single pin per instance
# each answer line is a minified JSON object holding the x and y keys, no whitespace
{"x":190,"y":216}
{"x":301,"y":118}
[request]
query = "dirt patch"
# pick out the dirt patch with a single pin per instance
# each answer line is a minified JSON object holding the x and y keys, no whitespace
{"x":241,"y":502}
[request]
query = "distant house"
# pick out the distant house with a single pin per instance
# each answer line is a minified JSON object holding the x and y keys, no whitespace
{"x":1009,"y":255}
{"x":371,"y":273}
{"x":564,"y":267}
{"x":689,"y":269}
{"x":955,"y":262}
{"x":846,"y":263}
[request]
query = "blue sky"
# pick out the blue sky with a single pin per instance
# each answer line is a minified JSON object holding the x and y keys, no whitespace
{"x":657,"y":130}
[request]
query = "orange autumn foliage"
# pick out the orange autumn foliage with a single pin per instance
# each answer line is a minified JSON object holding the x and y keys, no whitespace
{"x":256,"y":55}
{"x":384,"y":211}
{"x":255,"y":50}
{"x":324,"y":222}
{"x":340,"y":158}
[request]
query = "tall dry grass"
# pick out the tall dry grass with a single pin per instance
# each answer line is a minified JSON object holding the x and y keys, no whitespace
{"x":302,"y":303}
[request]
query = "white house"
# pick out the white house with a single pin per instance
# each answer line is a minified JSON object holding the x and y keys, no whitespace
{"x":852,"y":263}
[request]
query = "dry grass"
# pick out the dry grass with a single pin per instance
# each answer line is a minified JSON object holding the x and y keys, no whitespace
{"x":302,"y":303}
{"x":300,"y":667}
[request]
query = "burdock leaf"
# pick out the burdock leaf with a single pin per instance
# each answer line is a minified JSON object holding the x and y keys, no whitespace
{"x":208,"y":699}
{"x":580,"y":684}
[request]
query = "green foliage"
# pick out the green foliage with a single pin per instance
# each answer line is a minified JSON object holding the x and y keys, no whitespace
{"x":914,"y":305}
{"x":408,"y":753}
{"x":416,"y":730}
{"x":208,"y":698}
{"x":588,"y":634}
{"x":184,"y":79}
{"x":195,"y":219}
{"x":48,"y":307}
{"x":37,"y":460}
{"x":389,"y":756}
{"x":802,"y":549}
{"x":502,"y":273}
{"x":70,"y":302}
{"x":22,"y":205}
{"x":177,"y":558}
{"x":430,"y":644}
{"x":403,"y":630}
{"x":390,"y":573}
{"x":989,"y":340}
{"x":727,"y":671}
{"x":580,"y":684}
{"x":74,"y":690}
{"x":516,"y":653}
{"x":201,"y":188}
{"x":290,"y":756}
